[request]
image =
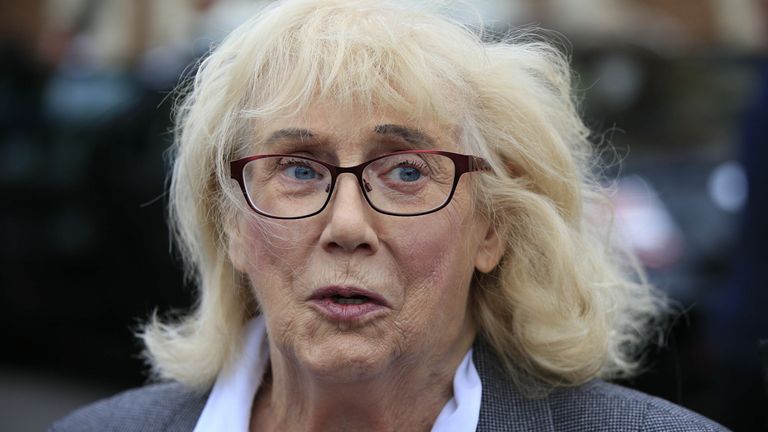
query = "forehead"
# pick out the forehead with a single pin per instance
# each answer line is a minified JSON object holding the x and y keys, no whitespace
{"x":335,"y":128}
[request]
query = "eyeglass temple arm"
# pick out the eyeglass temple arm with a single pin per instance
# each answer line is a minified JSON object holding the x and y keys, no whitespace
{"x":477,"y":163}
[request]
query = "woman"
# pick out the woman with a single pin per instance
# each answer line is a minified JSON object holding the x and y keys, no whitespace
{"x":392,"y":226}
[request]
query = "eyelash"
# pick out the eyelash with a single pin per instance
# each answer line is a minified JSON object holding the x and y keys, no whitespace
{"x":283,"y":164}
{"x":300,"y":162}
{"x":420,"y":166}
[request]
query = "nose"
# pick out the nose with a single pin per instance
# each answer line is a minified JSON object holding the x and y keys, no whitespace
{"x":349,"y":228}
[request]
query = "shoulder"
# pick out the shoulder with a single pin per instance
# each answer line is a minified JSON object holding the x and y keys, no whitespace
{"x":594,"y":406}
{"x":598,"y":405}
{"x":157,"y":407}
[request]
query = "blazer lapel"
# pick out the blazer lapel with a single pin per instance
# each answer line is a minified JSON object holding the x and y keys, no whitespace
{"x":502,"y":406}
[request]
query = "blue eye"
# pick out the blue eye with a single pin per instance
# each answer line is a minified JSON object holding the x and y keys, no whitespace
{"x":298,"y":169}
{"x":408,"y":174}
{"x":302,"y":172}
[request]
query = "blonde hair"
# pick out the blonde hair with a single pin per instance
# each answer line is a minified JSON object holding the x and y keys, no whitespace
{"x":564,"y":305}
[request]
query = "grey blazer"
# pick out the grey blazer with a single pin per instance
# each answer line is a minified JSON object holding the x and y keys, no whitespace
{"x":595,"y":406}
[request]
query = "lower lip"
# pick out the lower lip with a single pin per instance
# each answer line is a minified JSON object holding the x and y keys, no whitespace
{"x":349,"y":313}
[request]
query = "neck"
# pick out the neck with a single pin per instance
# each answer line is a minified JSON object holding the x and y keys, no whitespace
{"x":408,"y":396}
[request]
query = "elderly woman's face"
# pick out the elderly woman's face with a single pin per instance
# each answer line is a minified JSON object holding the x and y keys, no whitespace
{"x":351,"y":292}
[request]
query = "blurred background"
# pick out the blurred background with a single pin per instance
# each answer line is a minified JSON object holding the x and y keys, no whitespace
{"x":676,"y":90}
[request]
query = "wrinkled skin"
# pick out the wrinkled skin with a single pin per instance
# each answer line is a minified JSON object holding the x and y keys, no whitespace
{"x":422,"y":266}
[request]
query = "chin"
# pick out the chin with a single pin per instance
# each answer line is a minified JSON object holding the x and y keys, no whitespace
{"x":347,"y":357}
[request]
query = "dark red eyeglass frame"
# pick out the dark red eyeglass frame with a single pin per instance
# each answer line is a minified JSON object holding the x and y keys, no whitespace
{"x":462,"y":164}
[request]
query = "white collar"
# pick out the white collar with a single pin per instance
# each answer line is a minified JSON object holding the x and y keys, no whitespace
{"x":229,"y":404}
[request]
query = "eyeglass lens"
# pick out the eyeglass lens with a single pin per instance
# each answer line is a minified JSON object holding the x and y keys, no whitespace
{"x":404,"y":183}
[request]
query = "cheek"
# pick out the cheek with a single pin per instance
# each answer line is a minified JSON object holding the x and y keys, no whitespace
{"x":272,"y":256}
{"x":433,"y":261}
{"x":257,"y":250}
{"x":422,"y":252}
{"x":436,"y":246}
{"x":269,"y":244}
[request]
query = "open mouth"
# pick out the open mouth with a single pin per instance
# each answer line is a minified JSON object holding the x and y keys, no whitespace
{"x":354,"y":300}
{"x":347,"y":296}
{"x":350,"y":305}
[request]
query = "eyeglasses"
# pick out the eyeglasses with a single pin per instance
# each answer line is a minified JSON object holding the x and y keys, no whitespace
{"x":404,"y":183}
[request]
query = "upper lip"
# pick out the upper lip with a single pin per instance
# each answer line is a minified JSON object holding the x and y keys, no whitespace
{"x":346,"y":291}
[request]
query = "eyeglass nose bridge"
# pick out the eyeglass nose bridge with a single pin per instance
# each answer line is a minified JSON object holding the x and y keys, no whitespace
{"x":356,"y":171}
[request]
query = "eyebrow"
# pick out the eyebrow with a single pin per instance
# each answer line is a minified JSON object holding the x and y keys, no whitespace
{"x":289,"y":133}
{"x":412,"y":136}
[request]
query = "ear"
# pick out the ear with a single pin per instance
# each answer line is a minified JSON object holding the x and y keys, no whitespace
{"x":235,"y":247}
{"x":490,"y":250}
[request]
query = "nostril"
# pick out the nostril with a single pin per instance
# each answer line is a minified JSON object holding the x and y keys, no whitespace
{"x":364,"y":247}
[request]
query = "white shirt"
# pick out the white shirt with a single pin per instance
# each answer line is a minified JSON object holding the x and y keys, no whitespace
{"x":229,"y":405}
